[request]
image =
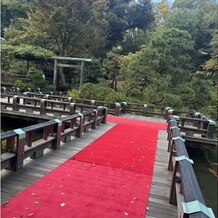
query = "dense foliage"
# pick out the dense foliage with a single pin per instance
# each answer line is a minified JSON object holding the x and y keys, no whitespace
{"x":141,"y":51}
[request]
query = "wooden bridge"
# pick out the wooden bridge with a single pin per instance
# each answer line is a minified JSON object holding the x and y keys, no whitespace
{"x":72,"y":124}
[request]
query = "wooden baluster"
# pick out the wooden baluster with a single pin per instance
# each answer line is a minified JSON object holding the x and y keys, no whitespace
{"x":21,"y":136}
{"x":29,"y":139}
{"x":173,"y":199}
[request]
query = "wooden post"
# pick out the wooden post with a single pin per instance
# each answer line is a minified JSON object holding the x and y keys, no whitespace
{"x":124,"y":107}
{"x":92,"y":102}
{"x":58,"y":131}
{"x":95,"y":116}
{"x":211,"y":129}
{"x":117,"y":109}
{"x":81,"y":74}
{"x":104,"y":112}
{"x":42,"y":106}
{"x":169,"y":112}
{"x":72,"y":108}
{"x":80,"y":130}
{"x":55,"y":74}
{"x":3,"y":90}
{"x":15,"y":102}
{"x":21,"y":135}
{"x":145,"y":107}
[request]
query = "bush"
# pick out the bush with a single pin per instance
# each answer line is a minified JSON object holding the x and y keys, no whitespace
{"x":97,"y":92}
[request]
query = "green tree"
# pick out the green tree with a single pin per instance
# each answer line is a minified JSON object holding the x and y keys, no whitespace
{"x":11,"y":10}
{"x":175,"y":49}
{"x":121,"y":16}
{"x":64,"y":27}
{"x":111,"y":66}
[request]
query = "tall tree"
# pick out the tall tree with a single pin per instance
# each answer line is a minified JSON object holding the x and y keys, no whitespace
{"x":65,"y":27}
{"x":127,"y":14}
{"x":11,"y":10}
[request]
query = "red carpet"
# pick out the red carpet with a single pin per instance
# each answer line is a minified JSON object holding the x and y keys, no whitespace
{"x":111,"y":177}
{"x":133,"y":122}
{"x":130,"y":145}
{"x":82,"y":190}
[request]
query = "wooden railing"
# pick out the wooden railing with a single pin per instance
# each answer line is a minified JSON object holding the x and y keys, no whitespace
{"x":185,"y":191}
{"x":43,"y":106}
{"x":143,"y":109}
{"x":19,"y":144}
{"x":113,"y":108}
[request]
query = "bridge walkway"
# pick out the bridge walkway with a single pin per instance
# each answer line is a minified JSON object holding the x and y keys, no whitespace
{"x":158,"y":206}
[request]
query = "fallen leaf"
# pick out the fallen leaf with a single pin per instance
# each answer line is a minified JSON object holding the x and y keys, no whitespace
{"x":62,"y":204}
{"x":33,"y":194}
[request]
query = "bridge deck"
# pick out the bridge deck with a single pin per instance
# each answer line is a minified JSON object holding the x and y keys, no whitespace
{"x":158,"y":206}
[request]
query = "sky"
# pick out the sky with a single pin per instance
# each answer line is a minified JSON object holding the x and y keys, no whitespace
{"x":169,"y":1}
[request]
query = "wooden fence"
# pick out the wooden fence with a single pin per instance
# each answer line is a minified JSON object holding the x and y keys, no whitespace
{"x":116,"y":108}
{"x":19,"y":144}
{"x":185,"y":191}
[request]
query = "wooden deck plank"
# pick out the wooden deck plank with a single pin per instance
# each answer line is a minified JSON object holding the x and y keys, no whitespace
{"x":158,"y":203}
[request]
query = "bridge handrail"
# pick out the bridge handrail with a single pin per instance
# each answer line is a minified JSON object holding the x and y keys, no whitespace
{"x":184,"y":177}
{"x":19,"y":143}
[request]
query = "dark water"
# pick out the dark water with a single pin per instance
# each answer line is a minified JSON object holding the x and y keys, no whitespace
{"x":11,"y":123}
{"x":203,"y":160}
{"x":8,"y":124}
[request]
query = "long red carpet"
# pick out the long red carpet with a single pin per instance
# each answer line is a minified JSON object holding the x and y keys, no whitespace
{"x":111,"y":177}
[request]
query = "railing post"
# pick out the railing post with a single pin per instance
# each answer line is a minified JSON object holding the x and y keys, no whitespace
{"x":42,"y":106}
{"x":145,"y":107}
{"x":169,"y":113}
{"x":104,"y":114}
{"x":20,"y":148}
{"x":3,"y":90}
{"x":15,"y":102}
{"x":80,"y":130}
{"x":92,"y":102}
{"x":124,"y":107}
{"x":95,"y":115}
{"x":58,"y":130}
{"x":117,"y":109}
{"x":72,"y":108}
{"x":166,"y":112}
{"x":211,"y":129}
{"x":17,"y":91}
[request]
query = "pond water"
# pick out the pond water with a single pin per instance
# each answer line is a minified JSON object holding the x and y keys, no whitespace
{"x":203,"y":160}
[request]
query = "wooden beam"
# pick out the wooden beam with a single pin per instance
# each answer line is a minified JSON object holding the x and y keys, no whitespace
{"x":71,"y":59}
{"x":68,"y":65}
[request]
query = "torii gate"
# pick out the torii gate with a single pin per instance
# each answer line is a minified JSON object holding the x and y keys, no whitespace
{"x":81,"y":66}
